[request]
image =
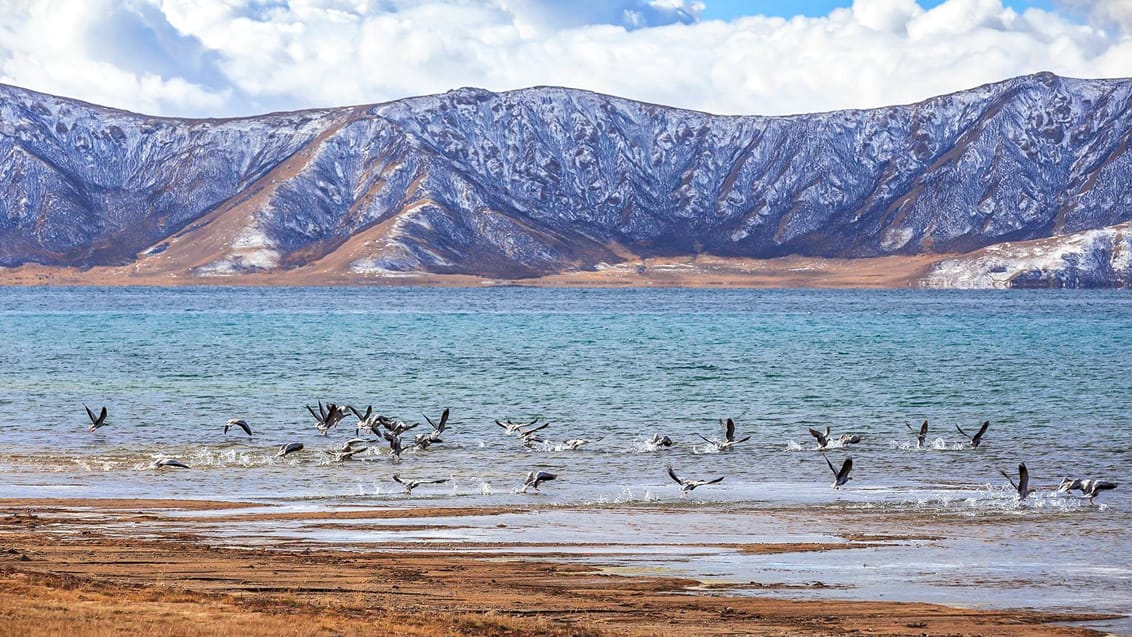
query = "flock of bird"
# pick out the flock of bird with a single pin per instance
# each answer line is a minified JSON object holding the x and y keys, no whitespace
{"x":391,"y":430}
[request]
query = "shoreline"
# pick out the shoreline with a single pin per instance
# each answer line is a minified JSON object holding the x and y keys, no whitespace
{"x":110,"y":566}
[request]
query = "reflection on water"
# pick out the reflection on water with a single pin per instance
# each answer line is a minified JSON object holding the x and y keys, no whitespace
{"x":1049,"y":370}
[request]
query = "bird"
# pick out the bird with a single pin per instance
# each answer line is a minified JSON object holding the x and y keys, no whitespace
{"x":842,"y":476}
{"x":438,"y":428}
{"x":290,"y":447}
{"x":574,"y":443}
{"x":977,"y":438}
{"x":169,"y":462}
{"x":348,"y":450}
{"x":1089,"y":488}
{"x":328,"y":417}
{"x":660,"y":441}
{"x":534,"y":479}
{"x":237,"y":422}
{"x":1023,"y":484}
{"x":510,"y":427}
{"x":413,"y":484}
{"x":921,"y":435}
{"x":395,"y":447}
{"x":729,"y":436}
{"x":366,"y":422}
{"x":95,"y":423}
{"x":822,"y":438}
{"x":689,"y":485}
{"x":849,"y":439}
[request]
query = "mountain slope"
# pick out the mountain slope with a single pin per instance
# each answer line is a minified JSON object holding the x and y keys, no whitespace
{"x":545,"y":180}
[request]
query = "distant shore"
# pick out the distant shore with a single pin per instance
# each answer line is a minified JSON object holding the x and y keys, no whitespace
{"x":698,"y":272}
{"x":134,"y":567}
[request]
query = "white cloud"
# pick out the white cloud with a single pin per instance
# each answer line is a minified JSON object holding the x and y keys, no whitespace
{"x":224,"y":57}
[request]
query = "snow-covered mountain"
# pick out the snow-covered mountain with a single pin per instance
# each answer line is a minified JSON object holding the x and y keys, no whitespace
{"x":546,"y":180}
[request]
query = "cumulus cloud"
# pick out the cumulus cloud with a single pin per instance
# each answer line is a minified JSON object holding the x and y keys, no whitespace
{"x":230,"y":57}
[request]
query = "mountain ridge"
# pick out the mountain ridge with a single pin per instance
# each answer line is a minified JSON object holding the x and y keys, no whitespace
{"x":547,"y":180}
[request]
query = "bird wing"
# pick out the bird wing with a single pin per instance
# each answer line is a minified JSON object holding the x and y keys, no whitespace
{"x":730,"y":429}
{"x":313,"y":413}
{"x":1023,"y":478}
{"x":829,"y":463}
{"x":245,"y":426}
{"x":846,"y":467}
{"x":430,"y":422}
{"x":1007,"y":476}
{"x":397,"y":479}
{"x":815,"y":433}
{"x":90,"y":414}
{"x":743,"y":439}
{"x":706,"y":439}
{"x":719,"y":479}
{"x":444,"y":419}
{"x":672,"y":474}
{"x":960,"y":429}
{"x":982,"y":430}
{"x":924,"y":428}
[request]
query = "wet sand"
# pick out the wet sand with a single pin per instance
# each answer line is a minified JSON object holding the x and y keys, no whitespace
{"x":93,"y":567}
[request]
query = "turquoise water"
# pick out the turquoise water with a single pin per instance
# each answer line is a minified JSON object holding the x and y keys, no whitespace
{"x":1050,"y":370}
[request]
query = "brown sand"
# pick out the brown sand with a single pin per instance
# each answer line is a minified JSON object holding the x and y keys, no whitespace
{"x":60,"y":578}
{"x":700,"y":271}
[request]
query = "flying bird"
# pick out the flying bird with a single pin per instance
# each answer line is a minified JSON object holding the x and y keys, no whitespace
{"x":849,"y":439}
{"x":95,"y":423}
{"x":822,"y":438}
{"x":660,"y":441}
{"x":290,"y":447}
{"x":1023,"y":484}
{"x":921,"y":435}
{"x":437,"y":429}
{"x":1088,"y":488}
{"x":689,"y":485}
{"x":842,"y":476}
{"x":977,"y":438}
{"x":409,"y":485}
{"x":237,"y":422}
{"x":534,"y":479}
{"x":328,"y":417}
{"x":169,"y":462}
{"x":729,"y":436}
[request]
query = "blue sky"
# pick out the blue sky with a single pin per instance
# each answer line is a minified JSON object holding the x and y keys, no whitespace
{"x":219,"y":58}
{"x":729,"y":9}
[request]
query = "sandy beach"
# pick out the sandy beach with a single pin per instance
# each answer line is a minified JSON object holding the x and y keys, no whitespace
{"x":133,"y":567}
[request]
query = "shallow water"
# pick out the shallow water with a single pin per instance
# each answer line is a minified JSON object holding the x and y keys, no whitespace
{"x":1049,"y":370}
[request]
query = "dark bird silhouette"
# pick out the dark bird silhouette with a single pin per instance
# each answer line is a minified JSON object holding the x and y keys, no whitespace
{"x":95,"y":423}
{"x":438,"y":429}
{"x":842,"y":476}
{"x":977,"y":438}
{"x":921,"y":435}
{"x":1023,"y":484}
{"x":688,"y":485}
{"x":822,"y":438}
{"x":169,"y":462}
